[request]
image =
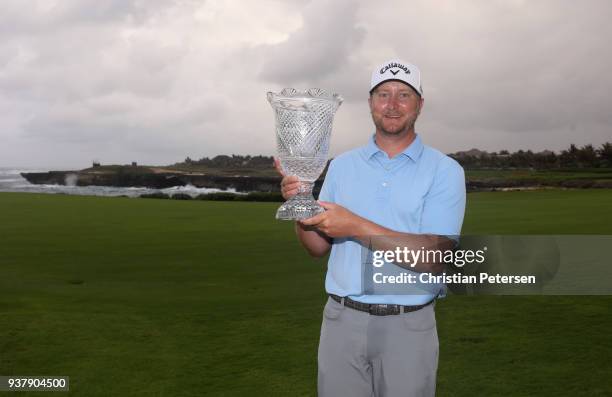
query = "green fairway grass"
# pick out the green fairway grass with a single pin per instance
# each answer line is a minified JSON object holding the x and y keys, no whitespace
{"x":134,"y":297}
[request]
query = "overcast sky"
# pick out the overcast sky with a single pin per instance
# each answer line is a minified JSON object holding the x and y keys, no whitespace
{"x":155,"y":81}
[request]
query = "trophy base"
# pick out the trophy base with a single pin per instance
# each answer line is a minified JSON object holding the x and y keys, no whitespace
{"x":301,"y":206}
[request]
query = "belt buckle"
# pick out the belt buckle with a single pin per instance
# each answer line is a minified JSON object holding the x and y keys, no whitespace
{"x":377,"y":309}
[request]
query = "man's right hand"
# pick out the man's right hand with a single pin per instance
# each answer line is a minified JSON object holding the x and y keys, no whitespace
{"x":315,"y":242}
{"x":290,"y":184}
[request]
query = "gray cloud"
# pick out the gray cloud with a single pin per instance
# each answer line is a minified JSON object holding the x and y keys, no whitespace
{"x":18,"y":18}
{"x":512,"y":74}
{"x":319,"y":48}
{"x":156,"y":81}
{"x":321,"y":52}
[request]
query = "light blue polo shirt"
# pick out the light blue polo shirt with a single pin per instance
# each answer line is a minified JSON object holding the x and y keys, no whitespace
{"x":420,"y":190}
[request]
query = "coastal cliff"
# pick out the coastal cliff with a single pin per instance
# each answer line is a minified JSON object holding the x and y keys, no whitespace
{"x":157,"y":180}
{"x":160,"y":178}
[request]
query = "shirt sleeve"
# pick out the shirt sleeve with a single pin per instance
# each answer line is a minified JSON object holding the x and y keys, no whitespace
{"x":444,"y":206}
{"x":329,"y":185}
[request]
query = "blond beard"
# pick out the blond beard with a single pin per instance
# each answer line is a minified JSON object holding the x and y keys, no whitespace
{"x":406,"y":128}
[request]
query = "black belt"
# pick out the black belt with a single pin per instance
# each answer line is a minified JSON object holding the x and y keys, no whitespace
{"x":376,"y":309}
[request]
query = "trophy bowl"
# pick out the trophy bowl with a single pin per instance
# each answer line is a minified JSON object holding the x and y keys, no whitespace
{"x":303,"y":132}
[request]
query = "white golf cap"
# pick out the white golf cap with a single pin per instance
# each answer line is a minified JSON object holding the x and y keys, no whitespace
{"x":396,"y":69}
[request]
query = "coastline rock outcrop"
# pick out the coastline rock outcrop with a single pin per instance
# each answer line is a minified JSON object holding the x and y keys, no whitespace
{"x":157,"y":180}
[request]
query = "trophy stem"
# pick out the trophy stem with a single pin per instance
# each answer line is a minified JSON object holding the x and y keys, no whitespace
{"x":306,"y":188}
{"x":300,"y":206}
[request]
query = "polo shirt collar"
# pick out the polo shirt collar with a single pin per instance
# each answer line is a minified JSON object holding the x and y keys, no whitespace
{"x":371,"y":148}
{"x":413,"y":151}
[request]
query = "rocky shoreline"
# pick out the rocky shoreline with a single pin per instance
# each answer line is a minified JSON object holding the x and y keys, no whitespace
{"x":154,"y":180}
{"x":245,"y":184}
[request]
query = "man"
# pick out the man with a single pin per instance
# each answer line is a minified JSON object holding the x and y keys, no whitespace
{"x":398,"y":188}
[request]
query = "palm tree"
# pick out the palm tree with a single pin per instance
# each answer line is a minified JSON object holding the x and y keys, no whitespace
{"x":605,"y":154}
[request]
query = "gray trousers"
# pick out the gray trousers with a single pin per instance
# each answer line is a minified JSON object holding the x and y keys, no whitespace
{"x":381,"y":356}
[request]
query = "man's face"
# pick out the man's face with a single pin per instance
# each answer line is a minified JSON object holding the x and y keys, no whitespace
{"x":395,"y":107}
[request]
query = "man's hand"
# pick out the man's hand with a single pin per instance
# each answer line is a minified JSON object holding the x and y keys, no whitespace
{"x":335,"y":222}
{"x":290,"y":184}
{"x":316,"y":243}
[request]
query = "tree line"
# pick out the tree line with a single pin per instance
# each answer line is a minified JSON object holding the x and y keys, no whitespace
{"x":233,"y":161}
{"x":586,"y":156}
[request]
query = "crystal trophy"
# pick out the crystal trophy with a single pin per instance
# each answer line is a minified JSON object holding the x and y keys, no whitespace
{"x":303,"y":131}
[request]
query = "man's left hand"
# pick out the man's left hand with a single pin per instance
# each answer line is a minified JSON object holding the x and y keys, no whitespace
{"x":335,"y":222}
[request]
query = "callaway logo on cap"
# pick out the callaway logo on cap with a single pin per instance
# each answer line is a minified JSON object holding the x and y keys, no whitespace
{"x":399,"y":70}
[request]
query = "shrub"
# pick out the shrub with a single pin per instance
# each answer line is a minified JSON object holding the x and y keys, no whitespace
{"x":156,"y":195}
{"x":181,"y":196}
{"x":220,"y":196}
{"x":263,"y":196}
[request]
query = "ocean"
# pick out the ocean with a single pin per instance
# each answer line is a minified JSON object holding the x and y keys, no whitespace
{"x":12,"y":181}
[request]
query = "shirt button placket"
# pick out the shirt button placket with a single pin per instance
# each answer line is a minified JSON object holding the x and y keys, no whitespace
{"x":384,"y":186}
